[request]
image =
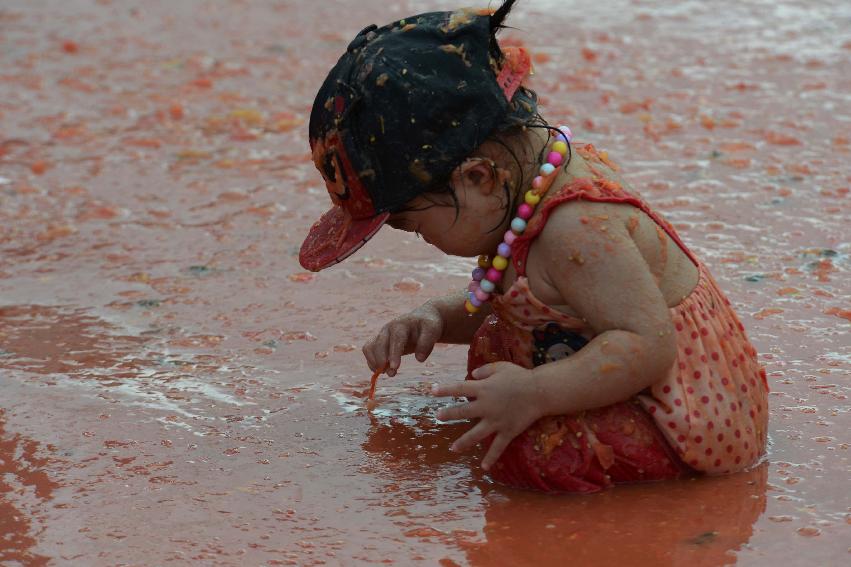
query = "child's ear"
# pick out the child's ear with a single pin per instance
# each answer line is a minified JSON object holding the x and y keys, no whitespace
{"x":476,"y":173}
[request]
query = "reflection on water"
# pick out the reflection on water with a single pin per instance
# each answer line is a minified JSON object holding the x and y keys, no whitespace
{"x":700,"y":522}
{"x":697,"y":523}
{"x":59,"y":341}
{"x":22,"y":473}
{"x":74,"y":348}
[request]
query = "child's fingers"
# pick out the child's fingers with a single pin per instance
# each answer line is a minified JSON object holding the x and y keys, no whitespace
{"x":461,"y":411}
{"x":463,"y":389}
{"x":396,"y":348}
{"x":428,"y":337}
{"x":498,"y":445}
{"x":382,"y":347}
{"x":374,"y":350}
{"x":487,"y":370}
{"x":475,"y":435}
{"x":369,"y":355}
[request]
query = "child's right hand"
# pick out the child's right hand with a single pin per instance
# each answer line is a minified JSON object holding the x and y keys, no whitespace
{"x":415,"y":332}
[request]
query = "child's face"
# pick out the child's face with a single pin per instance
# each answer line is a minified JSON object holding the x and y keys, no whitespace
{"x":481,"y":209}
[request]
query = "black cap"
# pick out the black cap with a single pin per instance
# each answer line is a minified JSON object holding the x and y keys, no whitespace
{"x":405,"y":105}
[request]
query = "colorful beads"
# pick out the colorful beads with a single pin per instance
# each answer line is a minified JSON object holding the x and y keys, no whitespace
{"x":494,"y":275}
{"x":554,"y":159}
{"x":531,"y":198}
{"x":500,"y":263}
{"x":490,"y":272}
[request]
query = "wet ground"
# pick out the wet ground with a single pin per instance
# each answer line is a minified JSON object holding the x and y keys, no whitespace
{"x":174,"y":390}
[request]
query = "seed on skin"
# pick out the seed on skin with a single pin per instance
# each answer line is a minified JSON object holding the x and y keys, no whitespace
{"x":632,"y":225}
{"x":577,"y":258}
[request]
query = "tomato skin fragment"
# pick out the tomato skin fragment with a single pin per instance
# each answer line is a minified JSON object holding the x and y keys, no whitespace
{"x":373,"y":382}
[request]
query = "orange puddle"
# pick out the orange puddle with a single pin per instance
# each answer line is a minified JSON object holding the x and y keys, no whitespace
{"x":22,"y":477}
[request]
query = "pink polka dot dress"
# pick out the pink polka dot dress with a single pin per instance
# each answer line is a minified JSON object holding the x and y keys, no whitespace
{"x":713,"y":405}
{"x":709,"y":414}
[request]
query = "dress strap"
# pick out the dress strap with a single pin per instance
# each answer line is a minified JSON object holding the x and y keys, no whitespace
{"x":599,"y":190}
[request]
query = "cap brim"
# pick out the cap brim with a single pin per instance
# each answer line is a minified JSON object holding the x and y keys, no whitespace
{"x":335,"y":237}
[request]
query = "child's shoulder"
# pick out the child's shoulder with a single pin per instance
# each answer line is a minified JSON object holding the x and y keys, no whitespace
{"x":583,"y":220}
{"x":595,"y":200}
{"x":593,"y":215}
{"x":586,"y":258}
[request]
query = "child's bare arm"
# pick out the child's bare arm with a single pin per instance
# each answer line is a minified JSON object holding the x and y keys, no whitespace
{"x":458,"y":326}
{"x":610,"y":285}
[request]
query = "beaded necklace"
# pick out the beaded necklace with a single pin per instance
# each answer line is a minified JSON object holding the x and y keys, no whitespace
{"x":489,"y":272}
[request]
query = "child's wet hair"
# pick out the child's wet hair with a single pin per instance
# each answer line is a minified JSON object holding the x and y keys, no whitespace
{"x":505,"y":132}
{"x":497,"y":22}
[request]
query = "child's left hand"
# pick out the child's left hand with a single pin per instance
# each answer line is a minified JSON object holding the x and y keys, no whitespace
{"x":505,"y":404}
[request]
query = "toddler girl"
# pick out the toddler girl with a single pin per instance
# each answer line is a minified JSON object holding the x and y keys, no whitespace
{"x":601,"y":350}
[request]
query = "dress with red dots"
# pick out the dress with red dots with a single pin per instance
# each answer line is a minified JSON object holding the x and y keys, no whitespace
{"x":709,"y":414}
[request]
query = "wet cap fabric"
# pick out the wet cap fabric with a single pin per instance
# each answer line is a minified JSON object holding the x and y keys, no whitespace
{"x":404,"y":106}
